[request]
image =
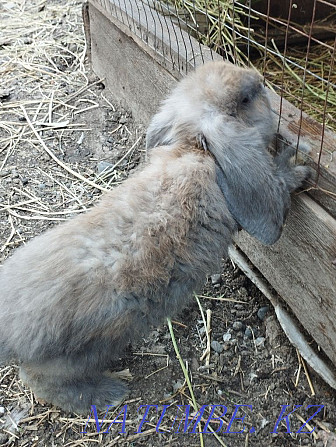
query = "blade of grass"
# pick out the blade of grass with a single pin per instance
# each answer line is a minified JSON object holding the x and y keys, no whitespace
{"x":187,"y":378}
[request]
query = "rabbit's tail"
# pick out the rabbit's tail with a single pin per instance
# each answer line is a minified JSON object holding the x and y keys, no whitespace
{"x":76,"y":394}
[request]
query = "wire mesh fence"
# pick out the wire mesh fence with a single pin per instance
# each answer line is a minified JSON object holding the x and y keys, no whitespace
{"x":291,"y":43}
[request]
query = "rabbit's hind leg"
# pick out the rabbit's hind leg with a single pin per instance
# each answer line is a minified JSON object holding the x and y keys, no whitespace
{"x":74,"y":393}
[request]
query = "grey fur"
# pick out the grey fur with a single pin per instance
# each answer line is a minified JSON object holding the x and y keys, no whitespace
{"x":74,"y":297}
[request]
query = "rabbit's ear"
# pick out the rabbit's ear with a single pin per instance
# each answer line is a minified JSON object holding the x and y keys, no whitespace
{"x":246,"y":174}
{"x":160,"y":130}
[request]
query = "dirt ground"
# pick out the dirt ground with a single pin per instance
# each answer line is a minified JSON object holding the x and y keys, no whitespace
{"x":59,"y":130}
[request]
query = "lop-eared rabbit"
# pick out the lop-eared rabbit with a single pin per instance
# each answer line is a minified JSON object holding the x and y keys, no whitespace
{"x":72,"y":298}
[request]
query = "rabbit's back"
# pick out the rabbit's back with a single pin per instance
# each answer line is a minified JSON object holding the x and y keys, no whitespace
{"x":128,"y":262}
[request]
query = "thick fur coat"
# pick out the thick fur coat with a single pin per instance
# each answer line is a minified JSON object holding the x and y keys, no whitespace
{"x":74,"y":297}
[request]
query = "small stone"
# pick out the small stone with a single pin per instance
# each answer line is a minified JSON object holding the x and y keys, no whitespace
{"x":227,"y":337}
{"x":260,"y":342}
{"x":216,"y":279}
{"x":253,"y":376}
{"x":103,"y":166}
{"x":2,"y":410}
{"x":262,"y":312}
{"x":123,"y":120}
{"x":24,"y":181}
{"x":263,"y":423}
{"x":41,"y":186}
{"x":246,"y":384}
{"x":238,"y":326}
{"x":239,"y":306}
{"x":202,"y":330}
{"x":194,"y":364}
{"x":216,"y":346}
{"x":248,"y":333}
{"x":73,"y":47}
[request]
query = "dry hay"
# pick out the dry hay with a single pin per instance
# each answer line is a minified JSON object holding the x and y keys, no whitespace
{"x":42,"y":70}
{"x":310,"y":86}
{"x":46,"y":96}
{"x":42,"y":55}
{"x":221,"y":26}
{"x":227,"y":27}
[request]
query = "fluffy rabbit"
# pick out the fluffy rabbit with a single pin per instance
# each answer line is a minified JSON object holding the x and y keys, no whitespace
{"x":73,"y":298}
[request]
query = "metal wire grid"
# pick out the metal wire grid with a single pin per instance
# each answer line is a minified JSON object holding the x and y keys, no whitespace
{"x":190,"y":18}
{"x":228,"y":27}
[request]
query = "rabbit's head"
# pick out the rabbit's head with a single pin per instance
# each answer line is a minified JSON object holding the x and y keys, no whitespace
{"x":228,"y":107}
{"x":216,"y":93}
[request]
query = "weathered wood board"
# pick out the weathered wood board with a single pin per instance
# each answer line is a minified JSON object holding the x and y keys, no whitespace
{"x":140,"y":55}
{"x":159,"y":52}
{"x":300,"y":268}
{"x":135,"y":79}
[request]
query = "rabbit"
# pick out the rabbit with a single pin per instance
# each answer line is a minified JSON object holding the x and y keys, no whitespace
{"x":74,"y":297}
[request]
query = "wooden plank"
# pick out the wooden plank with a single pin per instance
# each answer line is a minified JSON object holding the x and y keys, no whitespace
{"x":131,"y":26}
{"x":178,"y":52}
{"x":136,"y":80}
{"x":157,"y":54}
{"x":301,"y":268}
{"x":140,"y":60}
{"x":155,"y":34}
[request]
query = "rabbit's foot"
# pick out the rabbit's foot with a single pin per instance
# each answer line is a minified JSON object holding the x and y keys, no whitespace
{"x":77,"y":394}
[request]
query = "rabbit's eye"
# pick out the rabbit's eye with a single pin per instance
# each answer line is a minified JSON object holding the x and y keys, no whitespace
{"x":246,"y":100}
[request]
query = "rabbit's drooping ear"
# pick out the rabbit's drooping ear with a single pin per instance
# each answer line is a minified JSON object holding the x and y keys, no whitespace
{"x":257,"y":198}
